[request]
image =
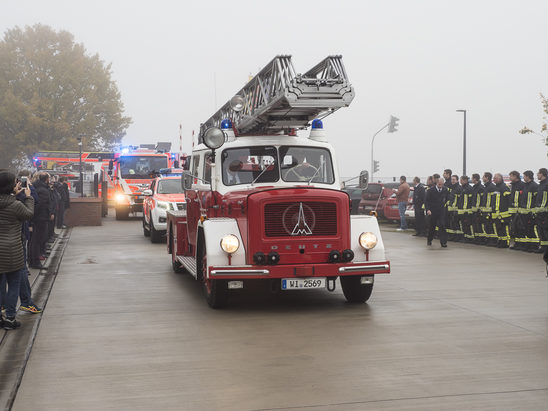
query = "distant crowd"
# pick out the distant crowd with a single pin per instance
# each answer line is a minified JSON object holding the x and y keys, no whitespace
{"x":31,"y":206}
{"x":483,"y":210}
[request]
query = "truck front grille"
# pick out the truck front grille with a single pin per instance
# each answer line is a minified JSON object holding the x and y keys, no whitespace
{"x":306,"y":218}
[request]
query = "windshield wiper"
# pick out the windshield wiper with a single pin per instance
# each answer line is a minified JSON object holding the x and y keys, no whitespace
{"x":317,"y":171}
{"x":261,"y":173}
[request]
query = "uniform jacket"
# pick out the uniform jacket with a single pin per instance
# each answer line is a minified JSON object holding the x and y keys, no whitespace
{"x":477,"y":194}
{"x":435,"y":200}
{"x":517,"y":189}
{"x":501,"y":200}
{"x":527,"y":199}
{"x":419,"y":195}
{"x":454,"y":194}
{"x":12,"y":214}
{"x":486,"y":205}
{"x":541,"y":204}
{"x":465,"y":200}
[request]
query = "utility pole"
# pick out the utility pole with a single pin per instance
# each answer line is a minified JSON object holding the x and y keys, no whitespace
{"x":81,"y":171}
{"x":392,"y":124}
{"x":463,"y":144}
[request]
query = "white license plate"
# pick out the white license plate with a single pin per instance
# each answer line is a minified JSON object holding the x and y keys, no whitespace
{"x":302,"y":283}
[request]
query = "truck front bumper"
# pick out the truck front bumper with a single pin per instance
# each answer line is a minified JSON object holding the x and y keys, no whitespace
{"x":288,"y":271}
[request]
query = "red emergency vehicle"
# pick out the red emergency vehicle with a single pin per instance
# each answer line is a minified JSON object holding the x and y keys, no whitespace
{"x":264,"y":203}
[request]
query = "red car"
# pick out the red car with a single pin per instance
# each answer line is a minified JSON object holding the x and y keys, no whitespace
{"x":374,"y":198}
{"x":391,"y":210}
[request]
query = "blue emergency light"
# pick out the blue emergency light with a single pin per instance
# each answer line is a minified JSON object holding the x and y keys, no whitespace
{"x":226,"y":124}
{"x":317,"y":124}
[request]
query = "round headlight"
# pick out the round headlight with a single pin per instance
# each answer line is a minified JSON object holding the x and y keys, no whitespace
{"x":214,"y":138}
{"x":230,"y":243}
{"x":368,"y":240}
{"x":120,"y":198}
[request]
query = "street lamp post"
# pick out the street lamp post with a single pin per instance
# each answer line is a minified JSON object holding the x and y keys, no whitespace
{"x":463,"y":144}
{"x":81,"y":171}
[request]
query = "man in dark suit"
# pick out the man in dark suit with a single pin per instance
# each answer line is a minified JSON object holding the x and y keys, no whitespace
{"x":436,"y":198}
{"x":419,"y":195}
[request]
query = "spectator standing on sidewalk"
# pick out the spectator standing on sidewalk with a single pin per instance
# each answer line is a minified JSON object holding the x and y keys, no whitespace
{"x":419,"y":195}
{"x":64,"y":202}
{"x":55,"y":200}
{"x":42,"y":214}
{"x":403,"y":198}
{"x":12,"y":214}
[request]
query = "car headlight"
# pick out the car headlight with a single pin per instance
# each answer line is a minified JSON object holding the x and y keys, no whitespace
{"x":121,"y":198}
{"x":230,"y":243}
{"x":162,"y":204}
{"x":368,"y":240}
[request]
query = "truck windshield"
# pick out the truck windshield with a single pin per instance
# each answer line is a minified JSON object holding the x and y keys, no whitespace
{"x":250,"y":164}
{"x":310,"y":164}
{"x":141,"y":166}
{"x":171,"y":186}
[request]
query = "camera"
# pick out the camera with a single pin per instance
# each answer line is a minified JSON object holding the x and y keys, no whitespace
{"x":24,"y":182}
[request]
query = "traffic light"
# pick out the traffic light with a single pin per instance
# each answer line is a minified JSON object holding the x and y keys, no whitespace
{"x":393,"y":124}
{"x":376,"y":166}
{"x":364,"y":179}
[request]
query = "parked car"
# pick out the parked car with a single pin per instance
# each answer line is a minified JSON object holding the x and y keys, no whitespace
{"x":164,"y":193}
{"x":391,"y":211}
{"x":355,"y":194}
{"x":374,"y":198}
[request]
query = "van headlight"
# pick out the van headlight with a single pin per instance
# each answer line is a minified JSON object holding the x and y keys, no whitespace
{"x":121,"y":198}
{"x":230,"y":243}
{"x":368,"y":240}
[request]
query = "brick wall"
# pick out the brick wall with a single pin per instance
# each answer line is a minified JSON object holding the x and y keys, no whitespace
{"x":83,"y":211}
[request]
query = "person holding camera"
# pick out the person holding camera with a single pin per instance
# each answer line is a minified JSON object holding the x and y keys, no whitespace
{"x":12,"y":262}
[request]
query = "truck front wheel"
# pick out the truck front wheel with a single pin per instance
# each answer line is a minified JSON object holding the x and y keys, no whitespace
{"x":122,"y":213}
{"x":354,"y":290}
{"x":215,"y":291}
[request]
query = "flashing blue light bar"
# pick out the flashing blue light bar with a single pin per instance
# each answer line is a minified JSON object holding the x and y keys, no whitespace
{"x":125,"y":150}
{"x":317,"y":123}
{"x":226,"y":124}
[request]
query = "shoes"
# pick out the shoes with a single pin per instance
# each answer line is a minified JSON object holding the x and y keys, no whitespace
{"x":444,"y":245}
{"x":31,"y":309}
{"x":429,"y":243}
{"x":10,"y":324}
{"x":43,"y":258}
{"x":36,"y":266}
{"x":416,"y":235}
{"x":401,"y":229}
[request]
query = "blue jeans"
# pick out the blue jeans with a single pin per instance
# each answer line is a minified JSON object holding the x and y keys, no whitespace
{"x":12,"y":279}
{"x":402,"y":206}
{"x":25,"y":291}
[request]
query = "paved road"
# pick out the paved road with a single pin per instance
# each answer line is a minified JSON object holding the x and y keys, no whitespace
{"x":458,"y":328}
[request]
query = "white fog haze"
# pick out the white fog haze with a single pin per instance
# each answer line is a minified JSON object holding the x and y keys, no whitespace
{"x":419,"y":61}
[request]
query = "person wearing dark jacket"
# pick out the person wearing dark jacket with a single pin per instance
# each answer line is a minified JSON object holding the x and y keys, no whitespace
{"x":464,"y":209}
{"x":487,"y":222}
{"x":475,"y":207}
{"x":541,"y":210}
{"x":516,"y":191}
{"x":12,"y":213}
{"x":64,"y":201}
{"x":501,"y":213}
{"x":55,"y":200}
{"x":42,"y":214}
{"x":419,"y":195}
{"x":436,"y":199}
{"x":526,"y":236}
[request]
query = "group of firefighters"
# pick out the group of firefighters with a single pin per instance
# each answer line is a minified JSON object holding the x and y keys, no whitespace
{"x":489,"y":212}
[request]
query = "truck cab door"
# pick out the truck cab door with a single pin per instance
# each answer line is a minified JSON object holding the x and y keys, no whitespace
{"x":193,"y":202}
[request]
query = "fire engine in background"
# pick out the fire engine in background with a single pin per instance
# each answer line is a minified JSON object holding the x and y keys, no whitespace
{"x":132,"y":171}
{"x":265,"y":204}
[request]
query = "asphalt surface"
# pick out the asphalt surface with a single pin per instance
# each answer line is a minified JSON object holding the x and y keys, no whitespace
{"x":458,"y":328}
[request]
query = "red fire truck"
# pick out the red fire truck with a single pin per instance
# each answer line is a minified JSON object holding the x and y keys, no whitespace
{"x":132,"y":171}
{"x":263,"y":203}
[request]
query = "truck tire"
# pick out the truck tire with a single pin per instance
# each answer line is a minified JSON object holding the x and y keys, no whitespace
{"x":155,"y":236}
{"x":354,"y":291}
{"x":122,"y":213}
{"x":215,"y":291}
{"x":146,"y":231}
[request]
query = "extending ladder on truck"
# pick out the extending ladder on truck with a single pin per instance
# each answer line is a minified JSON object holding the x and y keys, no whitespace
{"x":278,"y":99}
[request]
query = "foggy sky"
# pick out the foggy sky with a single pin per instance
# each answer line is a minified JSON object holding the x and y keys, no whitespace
{"x":417,"y":60}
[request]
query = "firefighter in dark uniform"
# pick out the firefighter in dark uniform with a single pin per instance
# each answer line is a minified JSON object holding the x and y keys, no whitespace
{"x":454,"y":198}
{"x":541,"y":210}
{"x":526,"y":237}
{"x":515,"y":193}
{"x":475,"y":209}
{"x":501,"y":215}
{"x":486,"y":209}
{"x":464,"y":210}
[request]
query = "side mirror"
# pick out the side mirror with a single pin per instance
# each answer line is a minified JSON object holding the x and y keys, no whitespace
{"x":364,"y":179}
{"x":147,"y":192}
{"x":110,"y":165}
{"x":109,"y":172}
{"x":186,"y":180}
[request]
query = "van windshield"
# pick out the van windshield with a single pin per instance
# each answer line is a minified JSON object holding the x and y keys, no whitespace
{"x":141,"y":166}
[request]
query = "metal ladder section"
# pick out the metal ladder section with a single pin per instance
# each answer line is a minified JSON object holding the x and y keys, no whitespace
{"x":278,"y":99}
